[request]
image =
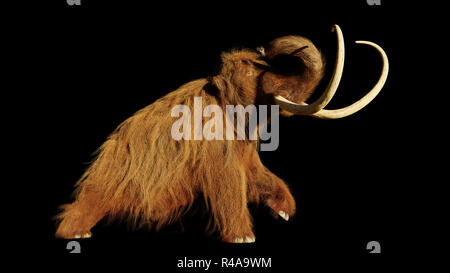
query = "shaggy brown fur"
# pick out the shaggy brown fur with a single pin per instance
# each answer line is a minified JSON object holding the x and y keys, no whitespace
{"x":142,"y":174}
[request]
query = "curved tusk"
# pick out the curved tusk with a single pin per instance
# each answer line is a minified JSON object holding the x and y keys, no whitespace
{"x":355,"y":107}
{"x":329,"y":92}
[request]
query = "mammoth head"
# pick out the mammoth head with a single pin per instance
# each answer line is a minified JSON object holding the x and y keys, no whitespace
{"x":287,"y":71}
{"x":295,"y":68}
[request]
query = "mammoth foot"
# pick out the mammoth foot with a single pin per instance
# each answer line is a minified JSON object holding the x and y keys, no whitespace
{"x":284,"y":208}
{"x":75,"y":235}
{"x":246,"y":240}
{"x":284,"y":215}
{"x":250,"y":238}
{"x":84,"y":236}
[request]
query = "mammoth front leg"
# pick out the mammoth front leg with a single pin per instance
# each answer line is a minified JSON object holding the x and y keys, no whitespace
{"x":275,"y":193}
{"x":229,"y":208}
{"x":264,"y":186}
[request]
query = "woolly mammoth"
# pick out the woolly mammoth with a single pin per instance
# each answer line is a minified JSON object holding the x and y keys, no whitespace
{"x":144,"y":175}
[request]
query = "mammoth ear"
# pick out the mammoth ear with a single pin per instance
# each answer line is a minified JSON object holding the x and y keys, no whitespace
{"x":217,"y":86}
{"x":220,"y":83}
{"x":221,"y":88}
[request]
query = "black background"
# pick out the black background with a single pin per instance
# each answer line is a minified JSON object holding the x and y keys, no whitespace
{"x":356,"y":179}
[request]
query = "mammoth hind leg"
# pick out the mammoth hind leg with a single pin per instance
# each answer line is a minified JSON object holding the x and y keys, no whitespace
{"x":78,"y":218}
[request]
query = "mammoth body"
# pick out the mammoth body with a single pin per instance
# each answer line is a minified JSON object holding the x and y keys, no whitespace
{"x":145,"y":176}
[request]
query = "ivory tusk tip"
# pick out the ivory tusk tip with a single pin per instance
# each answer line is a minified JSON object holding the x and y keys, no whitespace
{"x":365,"y":43}
{"x":335,"y":27}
